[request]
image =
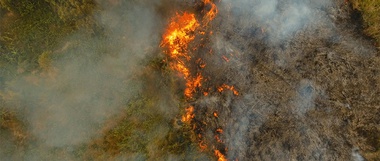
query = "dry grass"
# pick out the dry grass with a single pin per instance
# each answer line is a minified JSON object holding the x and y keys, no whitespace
{"x":371,"y":14}
{"x":11,"y":124}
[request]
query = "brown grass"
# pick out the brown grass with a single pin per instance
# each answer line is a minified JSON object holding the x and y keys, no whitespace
{"x":371,"y":14}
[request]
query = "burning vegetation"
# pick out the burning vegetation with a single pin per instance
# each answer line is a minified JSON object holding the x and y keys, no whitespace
{"x":189,"y":80}
{"x":182,"y":30}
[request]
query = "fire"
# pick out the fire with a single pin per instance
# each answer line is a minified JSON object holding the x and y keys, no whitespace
{"x":182,"y":69}
{"x":180,"y":32}
{"x":220,"y":156}
{"x":217,"y":138}
{"x":225,"y":58}
{"x":211,"y":14}
{"x":203,"y":146}
{"x":189,"y":114}
{"x":231,"y":88}
{"x":192,"y":84}
{"x":216,"y":114}
{"x":219,"y":130}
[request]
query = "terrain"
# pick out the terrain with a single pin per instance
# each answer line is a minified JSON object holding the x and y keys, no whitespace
{"x":253,"y":80}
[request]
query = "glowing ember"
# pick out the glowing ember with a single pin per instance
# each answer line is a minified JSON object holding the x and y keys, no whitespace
{"x":225,"y":58}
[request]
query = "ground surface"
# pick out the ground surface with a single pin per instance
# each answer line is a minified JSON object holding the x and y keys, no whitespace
{"x":95,"y":84}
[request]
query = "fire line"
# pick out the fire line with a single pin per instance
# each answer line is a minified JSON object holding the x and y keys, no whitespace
{"x":180,"y":32}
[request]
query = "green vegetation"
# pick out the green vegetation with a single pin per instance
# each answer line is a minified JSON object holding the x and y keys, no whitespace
{"x":33,"y":35}
{"x":31,"y":27}
{"x":141,"y":131}
{"x":370,"y":10}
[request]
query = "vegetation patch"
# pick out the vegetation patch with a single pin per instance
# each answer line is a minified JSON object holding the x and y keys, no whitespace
{"x":370,"y":10}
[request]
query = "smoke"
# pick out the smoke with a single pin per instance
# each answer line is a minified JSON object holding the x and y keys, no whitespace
{"x":306,"y":95}
{"x":279,"y":19}
{"x":91,"y":79}
{"x":275,"y":51}
{"x":279,"y":55}
{"x":356,"y":156}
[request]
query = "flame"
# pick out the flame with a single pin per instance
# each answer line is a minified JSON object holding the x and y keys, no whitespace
{"x":211,"y":14}
{"x":216,"y":114}
{"x":220,"y":156}
{"x":189,"y":114}
{"x":231,"y":88}
{"x":192,"y":84}
{"x":182,"y":69}
{"x":179,"y":34}
{"x":225,"y":58}
{"x":203,"y":145}
{"x":217,"y":138}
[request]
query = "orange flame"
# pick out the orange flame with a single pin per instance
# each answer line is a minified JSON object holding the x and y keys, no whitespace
{"x":179,"y":34}
{"x":220,"y":156}
{"x":217,"y":138}
{"x":211,"y":14}
{"x":177,"y":38}
{"x":216,"y":114}
{"x":231,"y":88}
{"x":225,"y":58}
{"x":192,"y":84}
{"x":203,"y":145}
{"x":189,"y":114}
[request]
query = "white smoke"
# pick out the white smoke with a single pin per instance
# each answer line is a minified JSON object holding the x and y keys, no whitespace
{"x":93,"y":78}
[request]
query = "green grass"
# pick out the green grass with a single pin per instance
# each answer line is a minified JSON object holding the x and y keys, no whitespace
{"x":144,"y":132}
